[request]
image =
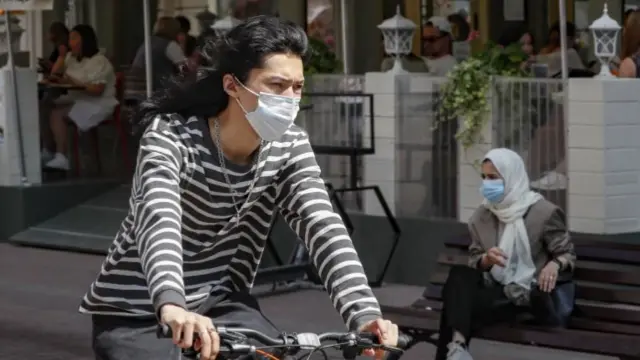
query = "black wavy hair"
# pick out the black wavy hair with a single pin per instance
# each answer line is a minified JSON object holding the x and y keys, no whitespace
{"x":185,"y":24}
{"x":244,"y":48}
{"x":89,"y":41}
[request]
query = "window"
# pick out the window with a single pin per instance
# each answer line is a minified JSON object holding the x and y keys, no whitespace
{"x":320,"y":22}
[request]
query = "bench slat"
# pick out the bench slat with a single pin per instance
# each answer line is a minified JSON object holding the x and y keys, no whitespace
{"x":609,"y":312}
{"x":603,"y":326}
{"x":584,"y":290}
{"x":585,"y":270}
{"x":593,"y":316}
{"x":608,"y":295}
{"x":579,"y":340}
{"x":569,"y":339}
{"x":587,"y":310}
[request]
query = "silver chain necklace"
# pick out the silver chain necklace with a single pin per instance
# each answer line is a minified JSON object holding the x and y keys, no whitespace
{"x":235,"y":196}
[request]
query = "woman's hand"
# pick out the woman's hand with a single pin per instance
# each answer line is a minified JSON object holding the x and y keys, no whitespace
{"x":186,"y":325}
{"x":387,"y":333}
{"x":62,"y":50}
{"x":548,"y":276}
{"x":495,"y":256}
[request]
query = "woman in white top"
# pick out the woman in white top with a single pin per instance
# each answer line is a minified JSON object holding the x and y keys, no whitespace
{"x":91,"y":71}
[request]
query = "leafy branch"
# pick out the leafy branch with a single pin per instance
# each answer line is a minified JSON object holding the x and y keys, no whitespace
{"x":465,"y":94}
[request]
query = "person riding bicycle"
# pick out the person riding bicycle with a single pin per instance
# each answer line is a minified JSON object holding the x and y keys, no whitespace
{"x":219,"y":156}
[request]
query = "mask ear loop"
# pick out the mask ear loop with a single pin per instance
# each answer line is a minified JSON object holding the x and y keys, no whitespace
{"x":246,"y":88}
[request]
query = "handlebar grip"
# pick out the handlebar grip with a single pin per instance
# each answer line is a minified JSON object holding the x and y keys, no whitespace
{"x":163,"y":331}
{"x":404,"y":341}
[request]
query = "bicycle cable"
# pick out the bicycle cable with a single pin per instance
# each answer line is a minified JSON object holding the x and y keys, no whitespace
{"x":325,"y":347}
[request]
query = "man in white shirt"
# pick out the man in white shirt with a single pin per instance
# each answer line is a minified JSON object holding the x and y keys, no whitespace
{"x":437,"y":40}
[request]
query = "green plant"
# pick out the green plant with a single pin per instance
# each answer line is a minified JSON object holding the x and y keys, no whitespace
{"x":322,"y":59}
{"x":465,"y":94}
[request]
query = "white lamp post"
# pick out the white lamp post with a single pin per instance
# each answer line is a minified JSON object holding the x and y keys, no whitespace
{"x":224,"y":25}
{"x":397,"y":32}
{"x":12,"y":26}
{"x":605,"y":38}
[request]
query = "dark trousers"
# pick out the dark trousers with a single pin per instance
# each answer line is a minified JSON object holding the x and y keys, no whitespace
{"x":468,"y":305}
{"x":125,"y":338}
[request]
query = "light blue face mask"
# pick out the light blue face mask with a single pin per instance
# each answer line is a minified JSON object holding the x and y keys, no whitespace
{"x":492,"y":190}
{"x":273,"y":115}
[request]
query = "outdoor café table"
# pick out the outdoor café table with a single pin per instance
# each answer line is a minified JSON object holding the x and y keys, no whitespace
{"x":47,"y":86}
{"x":53,"y":90}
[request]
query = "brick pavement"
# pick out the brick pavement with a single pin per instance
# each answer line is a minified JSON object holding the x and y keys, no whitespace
{"x":40,"y":291}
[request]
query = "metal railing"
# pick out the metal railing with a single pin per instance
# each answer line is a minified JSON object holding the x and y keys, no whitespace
{"x":426,"y":158}
{"x":528,"y":117}
{"x":340,"y":130}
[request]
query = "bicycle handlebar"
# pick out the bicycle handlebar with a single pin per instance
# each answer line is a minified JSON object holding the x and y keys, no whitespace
{"x":234,"y":342}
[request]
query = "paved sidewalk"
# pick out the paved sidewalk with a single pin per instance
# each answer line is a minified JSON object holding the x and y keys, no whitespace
{"x":40,"y":291}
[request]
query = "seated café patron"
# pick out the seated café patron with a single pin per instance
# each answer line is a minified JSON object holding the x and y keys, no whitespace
{"x":92,"y":100}
{"x":519,"y":248}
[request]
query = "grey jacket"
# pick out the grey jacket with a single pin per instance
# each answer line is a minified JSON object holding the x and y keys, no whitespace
{"x":548,"y":235}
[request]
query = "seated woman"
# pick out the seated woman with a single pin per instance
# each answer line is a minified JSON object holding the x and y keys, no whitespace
{"x":90,"y":104}
{"x":519,"y":247}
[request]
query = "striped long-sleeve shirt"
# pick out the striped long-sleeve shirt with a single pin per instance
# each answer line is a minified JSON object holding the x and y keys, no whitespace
{"x":182,"y":240}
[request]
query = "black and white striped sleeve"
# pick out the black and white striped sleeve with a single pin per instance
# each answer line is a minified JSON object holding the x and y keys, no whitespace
{"x":157,"y":214}
{"x":305,"y":205}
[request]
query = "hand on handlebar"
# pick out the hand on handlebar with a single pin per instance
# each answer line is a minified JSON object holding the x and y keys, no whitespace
{"x":235,"y":342}
{"x":387,"y":335}
{"x":191,"y":330}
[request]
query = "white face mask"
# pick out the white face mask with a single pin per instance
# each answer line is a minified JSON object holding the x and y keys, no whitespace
{"x":274,"y":114}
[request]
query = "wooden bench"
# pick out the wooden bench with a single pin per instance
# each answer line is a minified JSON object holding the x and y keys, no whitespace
{"x":607,"y":316}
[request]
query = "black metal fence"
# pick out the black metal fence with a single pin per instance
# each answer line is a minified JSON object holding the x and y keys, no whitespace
{"x":341,"y":131}
{"x":426,"y":155}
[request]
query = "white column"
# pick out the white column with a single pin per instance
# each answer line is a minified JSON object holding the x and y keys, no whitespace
{"x":604,"y":156}
{"x":379,"y":168}
{"x":402,"y":112}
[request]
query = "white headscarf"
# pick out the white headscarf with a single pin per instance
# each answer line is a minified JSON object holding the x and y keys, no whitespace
{"x":519,"y":268}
